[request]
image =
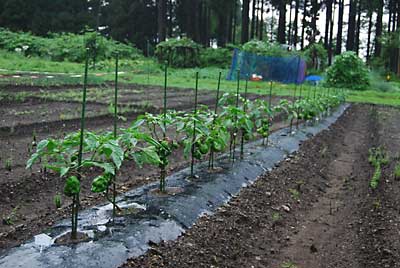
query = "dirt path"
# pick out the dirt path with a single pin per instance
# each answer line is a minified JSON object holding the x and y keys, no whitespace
{"x":315,"y":210}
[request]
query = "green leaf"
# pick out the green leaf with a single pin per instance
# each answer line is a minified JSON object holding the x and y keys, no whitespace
{"x":32,"y":160}
{"x":107,"y":167}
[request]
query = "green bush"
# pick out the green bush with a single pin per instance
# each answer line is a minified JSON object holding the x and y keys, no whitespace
{"x":66,"y":46}
{"x":348,"y":71}
{"x":316,"y":56}
{"x":182,"y":52}
{"x":267,"y":49}
{"x":217,"y":57}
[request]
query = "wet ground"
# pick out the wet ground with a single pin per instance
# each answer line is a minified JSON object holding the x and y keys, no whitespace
{"x":28,"y":195}
{"x":315,"y":210}
{"x":154,"y":218}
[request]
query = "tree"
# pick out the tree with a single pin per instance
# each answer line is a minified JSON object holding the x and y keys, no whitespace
{"x":245,"y":21}
{"x":282,"y":21}
{"x":328,"y":22}
{"x":162,"y":20}
{"x":295,"y":23}
{"x":339,"y":38}
{"x":350,"y":44}
{"x":379,"y":26}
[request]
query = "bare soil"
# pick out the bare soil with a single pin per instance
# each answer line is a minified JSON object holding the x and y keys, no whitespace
{"x":315,"y":210}
{"x":27,"y":196}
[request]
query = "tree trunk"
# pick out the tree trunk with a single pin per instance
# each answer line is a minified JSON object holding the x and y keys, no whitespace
{"x":357,"y":41}
{"x":253,"y":20}
{"x":327,"y":22}
{"x":162,"y":20}
{"x":261,"y":27}
{"x":390,"y":15}
{"x":370,"y":13}
{"x":296,"y":23}
{"x":170,"y":21}
{"x":303,"y":28}
{"x":290,"y":24}
{"x":282,"y":23}
{"x":339,"y":38}
{"x":234,"y":21}
{"x":230,"y":23}
{"x":351,"y":26}
{"x":378,"y":31}
{"x":245,"y":21}
{"x":331,"y":23}
{"x":314,"y":18}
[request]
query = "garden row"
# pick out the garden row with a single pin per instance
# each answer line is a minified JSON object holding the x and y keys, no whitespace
{"x":201,"y":133}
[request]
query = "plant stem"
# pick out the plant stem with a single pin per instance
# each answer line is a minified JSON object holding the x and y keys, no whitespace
{"x":235,"y":131}
{"x":115,"y":133}
{"x":244,"y":109}
{"x":269,"y":107}
{"x":211,"y":160}
{"x":165,"y":99}
{"x":75,"y":202}
{"x":194,"y":124}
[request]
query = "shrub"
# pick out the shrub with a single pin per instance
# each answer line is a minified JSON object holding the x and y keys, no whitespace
{"x":316,"y":56}
{"x":65,"y":46}
{"x":182,"y":52}
{"x":348,"y":71}
{"x":219,"y":57}
{"x":266,"y":49}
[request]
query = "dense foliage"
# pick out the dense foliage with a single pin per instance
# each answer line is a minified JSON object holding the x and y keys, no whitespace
{"x":218,"y":57}
{"x":316,"y":56}
{"x":267,"y":49}
{"x":202,"y":132}
{"x":65,"y":46}
{"x":182,"y":52}
{"x":348,"y":71}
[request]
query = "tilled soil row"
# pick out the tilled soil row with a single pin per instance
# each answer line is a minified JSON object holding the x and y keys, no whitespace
{"x":314,"y":210}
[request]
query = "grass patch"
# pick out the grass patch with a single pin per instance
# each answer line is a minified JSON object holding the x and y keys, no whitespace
{"x":147,"y":71}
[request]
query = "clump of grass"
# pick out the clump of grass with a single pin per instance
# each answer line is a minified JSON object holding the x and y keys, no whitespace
{"x":376,"y":177}
{"x":397,"y":171}
{"x":8,"y":164}
{"x":295,"y":194}
{"x":10,"y":218}
{"x":377,"y":158}
{"x":57,"y":200}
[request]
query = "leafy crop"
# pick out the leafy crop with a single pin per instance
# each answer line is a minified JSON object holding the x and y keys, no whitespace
{"x":151,"y":139}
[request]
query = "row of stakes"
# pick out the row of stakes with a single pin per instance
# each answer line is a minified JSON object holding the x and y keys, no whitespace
{"x":75,"y":207}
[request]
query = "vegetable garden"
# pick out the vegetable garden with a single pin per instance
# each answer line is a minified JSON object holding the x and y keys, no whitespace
{"x":201,"y":132}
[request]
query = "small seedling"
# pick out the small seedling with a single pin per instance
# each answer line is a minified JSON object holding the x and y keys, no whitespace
{"x":10,"y":219}
{"x":276,"y":216}
{"x":8,"y":164}
{"x":397,"y":171}
{"x":324,"y":151}
{"x":376,"y":178}
{"x":377,"y":204}
{"x":288,"y":264}
{"x":378,"y":156}
{"x":295,"y":194}
{"x":57,"y":201}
